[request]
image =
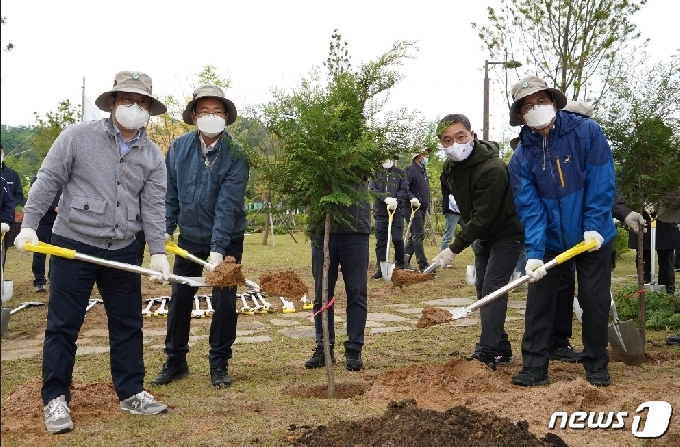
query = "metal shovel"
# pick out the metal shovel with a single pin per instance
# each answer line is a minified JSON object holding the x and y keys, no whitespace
{"x":559,"y":259}
{"x":410,"y":221}
{"x":625,"y":340}
{"x":386,"y":268}
{"x":72,"y":254}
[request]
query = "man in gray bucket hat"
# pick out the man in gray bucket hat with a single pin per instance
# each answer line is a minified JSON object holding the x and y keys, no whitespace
{"x":207,"y":178}
{"x":113,"y":181}
{"x":562,"y":177}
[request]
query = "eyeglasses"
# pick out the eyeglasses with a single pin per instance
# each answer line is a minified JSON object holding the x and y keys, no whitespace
{"x":527,"y":106}
{"x":203,"y":113}
{"x":460,"y":138}
{"x":128,"y":100}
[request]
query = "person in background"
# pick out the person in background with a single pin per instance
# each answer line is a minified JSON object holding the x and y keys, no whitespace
{"x":44,"y":233}
{"x":419,"y":190}
{"x":562,"y":177}
{"x":6,"y":210}
{"x":391,"y":190}
{"x":113,"y":179}
{"x":13,"y":185}
{"x":451,"y":213}
{"x":207,"y":178}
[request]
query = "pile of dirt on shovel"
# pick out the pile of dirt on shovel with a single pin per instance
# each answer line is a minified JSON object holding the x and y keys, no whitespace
{"x":432,"y":316}
{"x":401,"y":278}
{"x":286,"y":284}
{"x":404,"y":424}
{"x":226,"y":274}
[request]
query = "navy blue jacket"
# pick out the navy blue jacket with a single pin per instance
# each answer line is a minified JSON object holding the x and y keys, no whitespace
{"x":389,"y":183}
{"x":7,"y":206}
{"x":418,"y":184}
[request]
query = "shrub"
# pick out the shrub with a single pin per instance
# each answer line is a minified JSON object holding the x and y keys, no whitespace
{"x":620,"y":243}
{"x":662,"y":310}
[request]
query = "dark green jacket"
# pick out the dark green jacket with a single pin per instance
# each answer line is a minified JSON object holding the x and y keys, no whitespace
{"x":481,"y":186}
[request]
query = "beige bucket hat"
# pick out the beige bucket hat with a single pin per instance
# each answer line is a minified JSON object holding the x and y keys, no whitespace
{"x":209,"y":91}
{"x":131,"y":82}
{"x":528,"y":86}
{"x":581,"y":107}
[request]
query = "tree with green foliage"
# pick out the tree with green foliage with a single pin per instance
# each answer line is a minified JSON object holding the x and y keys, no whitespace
{"x":48,"y":128}
{"x":642,"y":124}
{"x":332,"y":139}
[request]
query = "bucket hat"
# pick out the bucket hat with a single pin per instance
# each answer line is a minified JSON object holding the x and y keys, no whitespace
{"x":581,"y":107}
{"x":209,"y":91}
{"x":131,"y":82}
{"x":528,"y":86}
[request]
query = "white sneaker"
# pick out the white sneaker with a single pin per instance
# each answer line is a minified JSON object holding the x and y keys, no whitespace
{"x":142,"y":403}
{"x":57,"y":416}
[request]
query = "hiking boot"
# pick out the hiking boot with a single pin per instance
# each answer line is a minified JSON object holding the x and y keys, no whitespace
{"x":566,"y":354}
{"x":530,"y":376}
{"x":504,"y":358}
{"x":318,"y":359}
{"x":673,"y":340}
{"x":40,"y":288}
{"x":170,"y":373}
{"x":220,"y":377}
{"x":353,"y":360}
{"x":142,"y":403}
{"x":377,"y":275}
{"x":485,"y":357}
{"x":598,"y":377}
{"x":57,"y":416}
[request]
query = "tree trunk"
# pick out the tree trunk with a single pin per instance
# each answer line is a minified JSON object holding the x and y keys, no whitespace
{"x":641,"y":281}
{"x":265,"y":233}
{"x":324,"y":303}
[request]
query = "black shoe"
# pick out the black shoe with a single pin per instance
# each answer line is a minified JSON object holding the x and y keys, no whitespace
{"x":170,"y":373}
{"x":318,"y":359}
{"x":673,"y":340}
{"x":529,"y":376}
{"x":220,"y":377}
{"x":40,"y":288}
{"x":377,"y":275}
{"x":505,"y":358}
{"x":566,"y":354}
{"x":598,"y":377}
{"x":353,"y":360}
{"x":485,"y":357}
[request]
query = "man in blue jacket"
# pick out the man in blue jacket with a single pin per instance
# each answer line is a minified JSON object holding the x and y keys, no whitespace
{"x":562,"y":176}
{"x":207,"y":178}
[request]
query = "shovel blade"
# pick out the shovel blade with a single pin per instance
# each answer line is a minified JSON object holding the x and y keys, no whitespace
{"x":6,"y":312}
{"x":386,"y":269}
{"x":632,"y":351}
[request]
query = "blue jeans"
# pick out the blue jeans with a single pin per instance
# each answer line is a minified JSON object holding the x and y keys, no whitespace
{"x":450,"y":228}
{"x":350,"y":252}
{"x":522,"y":262}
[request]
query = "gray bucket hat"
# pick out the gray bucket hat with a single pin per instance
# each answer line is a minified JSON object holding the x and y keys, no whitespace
{"x":581,"y":107}
{"x":528,"y":86}
{"x":131,"y":82}
{"x":209,"y":91}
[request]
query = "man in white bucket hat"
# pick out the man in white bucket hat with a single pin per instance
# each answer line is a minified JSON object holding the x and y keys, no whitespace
{"x":113,"y":180}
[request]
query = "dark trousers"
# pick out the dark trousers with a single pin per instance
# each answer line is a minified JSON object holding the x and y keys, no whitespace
{"x":44,"y":233}
{"x":349,"y":251}
{"x":414,"y":244}
{"x":665,"y":269}
{"x":564,"y":308}
{"x":494,"y":265}
{"x":381,"y":225}
{"x":70,"y":288}
{"x":223,"y":324}
{"x":141,"y":240}
{"x":593,"y":272}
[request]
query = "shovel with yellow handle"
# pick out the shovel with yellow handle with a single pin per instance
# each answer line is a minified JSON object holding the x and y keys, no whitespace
{"x":72,"y":254}
{"x":559,"y":259}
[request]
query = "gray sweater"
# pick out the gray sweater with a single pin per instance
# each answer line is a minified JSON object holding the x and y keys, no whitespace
{"x":106,"y":198}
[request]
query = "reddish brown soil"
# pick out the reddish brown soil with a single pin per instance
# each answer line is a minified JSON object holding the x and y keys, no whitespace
{"x":286,"y":284}
{"x":401,"y":278}
{"x":227,"y":274}
{"x":432,"y":316}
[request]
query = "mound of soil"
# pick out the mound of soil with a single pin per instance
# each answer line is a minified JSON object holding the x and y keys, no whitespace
{"x":404,"y":424}
{"x":286,"y":284}
{"x":432,"y":316}
{"x":401,"y":278}
{"x":227,"y":274}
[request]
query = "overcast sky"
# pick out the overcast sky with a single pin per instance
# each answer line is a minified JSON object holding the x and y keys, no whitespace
{"x":258,"y":45}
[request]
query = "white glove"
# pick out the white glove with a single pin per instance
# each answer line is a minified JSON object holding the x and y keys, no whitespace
{"x":5,"y":228}
{"x":535,"y":269}
{"x":391,"y":203}
{"x":593,"y":235}
{"x":415,"y":202}
{"x":635,"y":221}
{"x":445,"y":258}
{"x":159,"y":262}
{"x":214,"y":259}
{"x":25,"y":235}
{"x":168,"y":237}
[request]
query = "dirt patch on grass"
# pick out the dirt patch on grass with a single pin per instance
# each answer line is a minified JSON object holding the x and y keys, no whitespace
{"x":401,"y":278}
{"x":286,"y":284}
{"x":432,"y":316}
{"x":226,"y":274}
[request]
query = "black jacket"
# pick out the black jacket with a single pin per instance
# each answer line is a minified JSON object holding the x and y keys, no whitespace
{"x":446,"y":209}
{"x":6,"y":205}
{"x":13,"y":184}
{"x":667,"y":235}
{"x":418,"y":185}
{"x":358,"y":217}
{"x":389,"y":183}
{"x":481,"y":186}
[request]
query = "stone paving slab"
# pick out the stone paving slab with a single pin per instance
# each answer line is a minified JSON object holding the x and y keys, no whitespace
{"x":442,"y":302}
{"x":84,"y":350}
{"x":255,"y":339}
{"x":384,"y":317}
{"x":516,"y":304}
{"x":465,"y":322}
{"x":384,"y":330}
{"x":411,"y":310}
{"x":298,"y":332}
{"x":282,"y":322}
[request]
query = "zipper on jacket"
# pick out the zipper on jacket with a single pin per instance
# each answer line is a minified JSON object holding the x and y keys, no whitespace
{"x":559,"y":170}
{"x":544,"y":153}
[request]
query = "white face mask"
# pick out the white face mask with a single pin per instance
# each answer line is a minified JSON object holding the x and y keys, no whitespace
{"x":131,"y":117}
{"x":457,"y":151}
{"x":211,"y":125}
{"x":388,"y":164}
{"x":540,"y":116}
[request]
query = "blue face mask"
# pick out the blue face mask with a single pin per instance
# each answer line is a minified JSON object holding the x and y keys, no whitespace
{"x":425,"y":161}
